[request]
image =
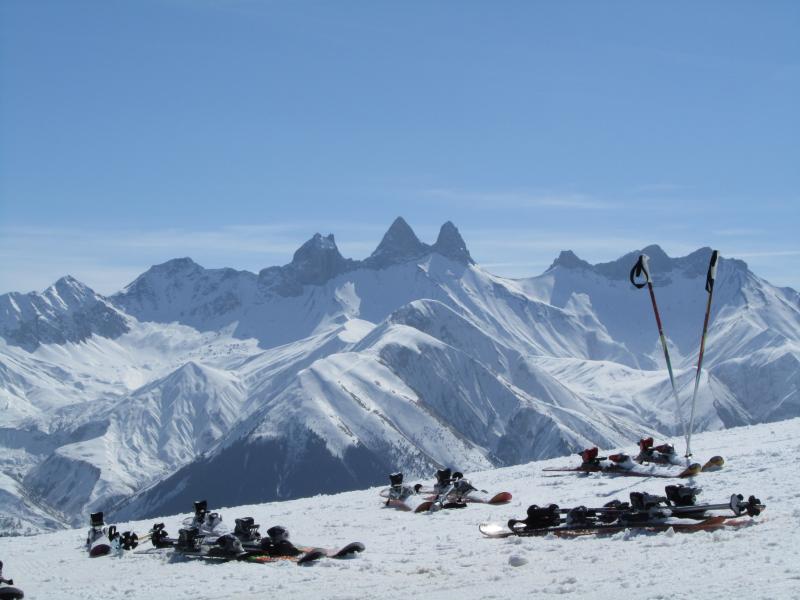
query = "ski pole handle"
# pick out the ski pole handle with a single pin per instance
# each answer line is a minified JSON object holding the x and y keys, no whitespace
{"x":641,"y":268}
{"x":712,"y":271}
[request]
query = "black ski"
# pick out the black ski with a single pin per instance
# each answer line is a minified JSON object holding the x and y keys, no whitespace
{"x":644,"y":511}
{"x":495,"y":530}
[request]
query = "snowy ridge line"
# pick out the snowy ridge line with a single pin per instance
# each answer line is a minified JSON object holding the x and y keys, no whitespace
{"x":412,"y":360}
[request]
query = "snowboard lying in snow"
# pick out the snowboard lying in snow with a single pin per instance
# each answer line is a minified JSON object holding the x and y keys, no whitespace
{"x":451,"y":491}
{"x":244,"y":544}
{"x":305,"y":555}
{"x":425,"y":500}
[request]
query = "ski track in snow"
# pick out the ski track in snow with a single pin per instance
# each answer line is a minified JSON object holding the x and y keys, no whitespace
{"x":442,"y":555}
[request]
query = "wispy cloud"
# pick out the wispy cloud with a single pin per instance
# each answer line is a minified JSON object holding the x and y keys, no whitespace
{"x":513,"y":199}
{"x":31,"y":258}
{"x":658,"y":188}
{"x":768,"y":254}
{"x":738,"y":232}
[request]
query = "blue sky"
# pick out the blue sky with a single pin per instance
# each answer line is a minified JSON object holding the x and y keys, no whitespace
{"x":231,"y":131}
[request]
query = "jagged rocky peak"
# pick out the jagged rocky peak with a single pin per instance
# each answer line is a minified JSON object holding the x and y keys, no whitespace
{"x":318,"y":245}
{"x":318,"y":260}
{"x":569,"y":260}
{"x":452,"y":245}
{"x":399,"y":244}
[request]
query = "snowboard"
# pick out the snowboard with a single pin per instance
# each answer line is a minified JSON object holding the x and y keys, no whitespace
{"x":307,"y":555}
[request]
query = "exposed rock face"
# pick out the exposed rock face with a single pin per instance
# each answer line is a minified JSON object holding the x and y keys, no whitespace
{"x":67,"y":311}
{"x":452,"y":245}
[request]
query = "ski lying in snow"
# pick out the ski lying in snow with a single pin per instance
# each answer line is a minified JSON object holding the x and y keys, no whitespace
{"x":665,"y":455}
{"x":674,"y":511}
{"x":622,"y":464}
{"x":496,"y":530}
{"x":6,"y":591}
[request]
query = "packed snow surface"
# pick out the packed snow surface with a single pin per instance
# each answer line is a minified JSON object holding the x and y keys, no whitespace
{"x":442,"y":555}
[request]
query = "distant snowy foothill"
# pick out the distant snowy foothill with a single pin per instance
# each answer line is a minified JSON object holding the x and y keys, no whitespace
{"x":328,"y":373}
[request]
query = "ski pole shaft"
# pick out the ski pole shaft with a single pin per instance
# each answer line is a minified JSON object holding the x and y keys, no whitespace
{"x":710,"y":277}
{"x":642,"y":268}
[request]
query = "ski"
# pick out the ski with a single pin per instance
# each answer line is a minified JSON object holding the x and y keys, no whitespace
{"x":677,"y":510}
{"x":622,"y":464}
{"x":665,"y":455}
{"x":496,"y":530}
{"x":7,"y":591}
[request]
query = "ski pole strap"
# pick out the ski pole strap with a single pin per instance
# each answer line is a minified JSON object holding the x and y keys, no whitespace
{"x":712,"y":271}
{"x":641,"y":267}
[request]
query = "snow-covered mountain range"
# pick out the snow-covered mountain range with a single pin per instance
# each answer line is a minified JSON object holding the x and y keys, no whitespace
{"x":327,"y":373}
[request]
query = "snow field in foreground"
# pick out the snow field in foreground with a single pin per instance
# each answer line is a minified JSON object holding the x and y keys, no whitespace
{"x":442,"y":555}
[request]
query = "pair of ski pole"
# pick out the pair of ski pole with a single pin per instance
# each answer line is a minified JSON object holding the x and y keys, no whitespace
{"x":641,"y":268}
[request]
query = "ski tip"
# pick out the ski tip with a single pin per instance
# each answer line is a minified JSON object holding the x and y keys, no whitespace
{"x":691,"y":470}
{"x":501,"y":498}
{"x":311,"y":556}
{"x":424,"y":507}
{"x":715,"y":463}
{"x":99,"y":550}
{"x":349,"y":550}
{"x":493,"y":529}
